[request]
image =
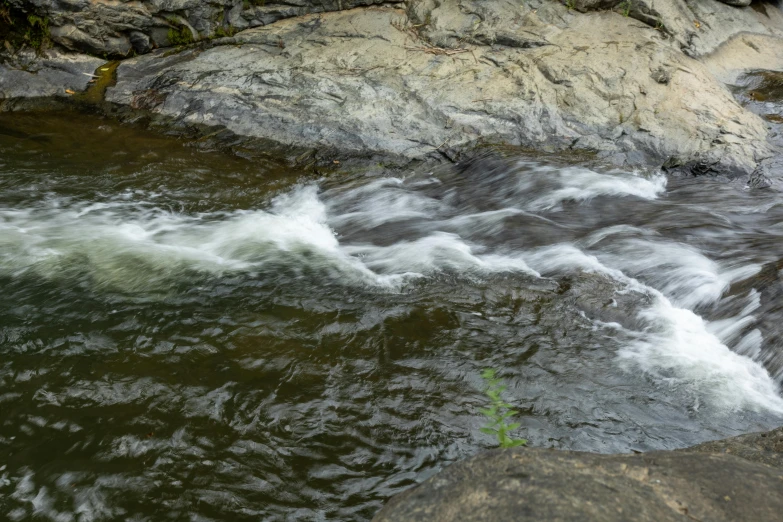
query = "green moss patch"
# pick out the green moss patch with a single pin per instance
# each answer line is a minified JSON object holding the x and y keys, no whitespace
{"x":180,"y":35}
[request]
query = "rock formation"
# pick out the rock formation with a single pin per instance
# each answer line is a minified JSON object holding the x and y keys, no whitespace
{"x":735,"y":479}
{"x":634,"y":82}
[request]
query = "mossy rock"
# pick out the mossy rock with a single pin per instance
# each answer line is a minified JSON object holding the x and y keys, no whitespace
{"x":19,"y":29}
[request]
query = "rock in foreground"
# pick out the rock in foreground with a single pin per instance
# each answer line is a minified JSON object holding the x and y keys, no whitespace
{"x":735,"y":479}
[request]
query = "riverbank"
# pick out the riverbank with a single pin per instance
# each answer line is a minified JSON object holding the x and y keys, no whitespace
{"x":422,"y":81}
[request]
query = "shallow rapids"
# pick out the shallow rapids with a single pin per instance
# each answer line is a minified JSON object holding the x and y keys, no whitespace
{"x":186,"y":335}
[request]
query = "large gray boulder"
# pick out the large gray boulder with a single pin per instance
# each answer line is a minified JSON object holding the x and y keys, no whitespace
{"x":435,"y":78}
{"x":736,"y":479}
{"x":367,"y":82}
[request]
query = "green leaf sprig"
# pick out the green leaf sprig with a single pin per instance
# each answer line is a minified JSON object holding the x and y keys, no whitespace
{"x":498,"y":412}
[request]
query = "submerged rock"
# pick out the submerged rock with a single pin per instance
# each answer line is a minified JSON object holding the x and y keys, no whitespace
{"x":735,"y":479}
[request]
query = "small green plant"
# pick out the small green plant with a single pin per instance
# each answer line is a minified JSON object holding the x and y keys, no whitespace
{"x":626,"y":6}
{"x":569,"y":4}
{"x":223,"y":32}
{"x":37,"y":34}
{"x":498,"y":412}
{"x":180,"y":36}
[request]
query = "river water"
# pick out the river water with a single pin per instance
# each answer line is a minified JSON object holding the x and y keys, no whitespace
{"x":190,"y":336}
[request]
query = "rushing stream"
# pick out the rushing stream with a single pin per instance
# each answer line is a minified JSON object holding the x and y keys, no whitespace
{"x":190,"y":336}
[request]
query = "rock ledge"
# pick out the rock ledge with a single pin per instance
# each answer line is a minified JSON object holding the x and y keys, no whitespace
{"x":735,"y":479}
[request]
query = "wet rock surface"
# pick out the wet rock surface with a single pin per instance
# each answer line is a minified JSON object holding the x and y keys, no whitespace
{"x":29,"y":76}
{"x":734,"y":479}
{"x":761,"y":92}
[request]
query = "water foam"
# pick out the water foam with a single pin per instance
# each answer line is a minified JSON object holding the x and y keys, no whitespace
{"x":681,"y":272}
{"x":133,"y":248}
{"x":580,"y":184}
{"x":436,"y":252}
{"x":679,"y":348}
{"x":676,"y":345}
{"x":378,"y":202}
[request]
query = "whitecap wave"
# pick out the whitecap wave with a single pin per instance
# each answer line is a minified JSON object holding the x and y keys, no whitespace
{"x":123,"y":246}
{"x":581,"y":184}
{"x":676,"y":345}
{"x":136,"y":247}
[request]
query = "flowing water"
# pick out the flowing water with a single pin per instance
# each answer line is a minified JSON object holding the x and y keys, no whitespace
{"x":190,"y":336}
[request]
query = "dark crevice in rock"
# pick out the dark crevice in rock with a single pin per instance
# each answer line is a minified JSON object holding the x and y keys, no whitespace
{"x":22,"y":28}
{"x":507,"y":39}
